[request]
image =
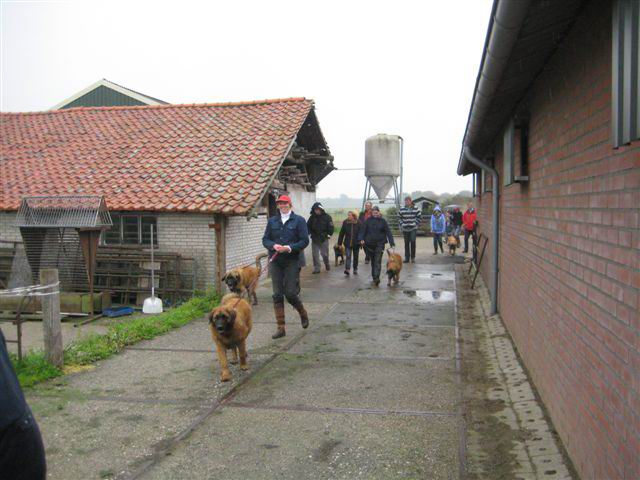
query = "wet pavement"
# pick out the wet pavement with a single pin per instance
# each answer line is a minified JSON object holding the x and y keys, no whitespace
{"x":371,"y":390}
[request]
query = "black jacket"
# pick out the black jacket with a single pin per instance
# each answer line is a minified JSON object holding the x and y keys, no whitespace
{"x":320,"y":226}
{"x":349,"y":233}
{"x":376,"y":231}
{"x":456,"y":218}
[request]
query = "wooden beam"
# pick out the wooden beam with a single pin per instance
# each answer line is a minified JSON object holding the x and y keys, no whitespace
{"x":220,"y":227}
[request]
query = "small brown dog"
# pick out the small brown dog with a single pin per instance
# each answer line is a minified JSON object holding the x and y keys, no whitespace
{"x":452,"y":242}
{"x":244,"y":279}
{"x":339,"y":251}
{"x":394,"y":266}
{"x":230,"y":324}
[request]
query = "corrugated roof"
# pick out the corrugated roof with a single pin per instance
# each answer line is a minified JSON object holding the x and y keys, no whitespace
{"x":217,"y":158}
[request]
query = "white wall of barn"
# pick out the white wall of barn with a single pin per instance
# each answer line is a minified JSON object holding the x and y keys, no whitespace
{"x":301,"y":199}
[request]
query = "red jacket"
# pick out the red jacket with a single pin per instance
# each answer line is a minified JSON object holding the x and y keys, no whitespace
{"x":469,"y":219}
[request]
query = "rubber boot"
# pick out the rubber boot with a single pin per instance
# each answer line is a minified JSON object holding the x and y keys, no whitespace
{"x":304,"y":318}
{"x":278,"y":308}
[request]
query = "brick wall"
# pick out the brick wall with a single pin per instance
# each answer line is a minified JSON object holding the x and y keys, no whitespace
{"x":244,"y":240}
{"x":570,"y":256}
{"x":189,"y":234}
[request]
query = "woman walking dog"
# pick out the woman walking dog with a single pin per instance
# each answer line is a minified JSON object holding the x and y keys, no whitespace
{"x":349,"y":235}
{"x":373,"y":236}
{"x":285,"y":237}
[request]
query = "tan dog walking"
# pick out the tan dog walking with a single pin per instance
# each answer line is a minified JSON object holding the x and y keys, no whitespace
{"x":245,"y":279}
{"x":394,"y":267}
{"x":230,"y":324}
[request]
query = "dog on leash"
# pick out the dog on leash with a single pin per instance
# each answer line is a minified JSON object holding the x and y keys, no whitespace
{"x":452,"y":242}
{"x":245,"y":279}
{"x":339,"y":251}
{"x":394,"y":266}
{"x":230,"y":324}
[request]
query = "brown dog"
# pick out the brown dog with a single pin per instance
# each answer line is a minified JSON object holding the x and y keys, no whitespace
{"x":394,"y":266}
{"x":245,"y":279}
{"x":230,"y":324}
{"x":452,"y":242}
{"x":339,"y":250}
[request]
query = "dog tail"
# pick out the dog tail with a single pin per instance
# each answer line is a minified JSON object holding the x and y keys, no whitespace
{"x":258,"y":264}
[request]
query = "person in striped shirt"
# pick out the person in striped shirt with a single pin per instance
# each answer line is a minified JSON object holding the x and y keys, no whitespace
{"x":409,"y":217}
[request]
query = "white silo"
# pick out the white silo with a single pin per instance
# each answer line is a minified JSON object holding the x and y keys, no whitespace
{"x":383,"y":167}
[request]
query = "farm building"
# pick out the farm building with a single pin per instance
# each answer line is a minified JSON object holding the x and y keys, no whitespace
{"x":553,"y":140}
{"x":204,"y":176}
{"x":104,"y":93}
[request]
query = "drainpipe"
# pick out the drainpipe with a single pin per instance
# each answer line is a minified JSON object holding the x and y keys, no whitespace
{"x":495,"y":224}
{"x":400,"y":200}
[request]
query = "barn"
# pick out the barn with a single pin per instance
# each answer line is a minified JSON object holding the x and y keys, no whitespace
{"x":203,"y":175}
{"x":553,"y":143}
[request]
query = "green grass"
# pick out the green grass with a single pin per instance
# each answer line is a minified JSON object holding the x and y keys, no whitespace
{"x":33,"y":368}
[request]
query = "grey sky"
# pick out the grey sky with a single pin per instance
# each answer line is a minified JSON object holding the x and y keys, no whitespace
{"x":401,"y":67}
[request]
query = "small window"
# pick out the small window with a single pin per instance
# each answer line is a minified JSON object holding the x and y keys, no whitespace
{"x":131,"y":229}
{"x":625,"y":72}
{"x":486,"y":181}
{"x":508,"y":154}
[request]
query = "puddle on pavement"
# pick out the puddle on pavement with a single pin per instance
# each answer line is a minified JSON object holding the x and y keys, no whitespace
{"x":430,"y":296}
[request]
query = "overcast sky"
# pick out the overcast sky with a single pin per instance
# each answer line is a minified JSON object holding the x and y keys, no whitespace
{"x":401,"y":67}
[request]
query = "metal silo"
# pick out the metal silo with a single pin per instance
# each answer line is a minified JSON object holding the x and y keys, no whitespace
{"x":383,"y":166}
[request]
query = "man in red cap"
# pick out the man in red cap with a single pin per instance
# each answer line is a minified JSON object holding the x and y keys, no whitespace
{"x":285,"y":237}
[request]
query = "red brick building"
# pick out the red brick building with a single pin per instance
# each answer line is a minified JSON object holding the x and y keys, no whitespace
{"x":556,"y":121}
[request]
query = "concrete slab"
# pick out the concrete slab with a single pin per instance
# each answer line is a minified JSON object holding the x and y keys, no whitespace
{"x":196,"y":337}
{"x":152,"y":375}
{"x":402,"y":295}
{"x":396,"y":341}
{"x":259,"y":444}
{"x":390,"y":314}
{"x":321,"y":381}
{"x":88,"y":439}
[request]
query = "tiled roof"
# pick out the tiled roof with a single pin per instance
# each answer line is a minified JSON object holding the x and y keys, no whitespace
{"x":198,"y":158}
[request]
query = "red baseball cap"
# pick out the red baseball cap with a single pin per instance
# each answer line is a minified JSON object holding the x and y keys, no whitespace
{"x":284,"y":199}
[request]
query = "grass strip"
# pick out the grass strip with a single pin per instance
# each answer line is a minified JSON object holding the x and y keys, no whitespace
{"x":33,"y":368}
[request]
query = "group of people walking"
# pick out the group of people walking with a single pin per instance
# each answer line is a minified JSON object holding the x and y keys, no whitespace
{"x":287,"y":235}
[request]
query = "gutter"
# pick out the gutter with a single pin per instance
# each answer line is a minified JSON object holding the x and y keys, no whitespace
{"x":507,"y":17}
{"x":466,"y":154}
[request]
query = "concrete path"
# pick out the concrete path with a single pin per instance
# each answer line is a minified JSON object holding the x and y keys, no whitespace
{"x":370,"y":390}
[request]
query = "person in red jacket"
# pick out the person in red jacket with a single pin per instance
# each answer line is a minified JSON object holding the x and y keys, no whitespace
{"x":469,"y":223}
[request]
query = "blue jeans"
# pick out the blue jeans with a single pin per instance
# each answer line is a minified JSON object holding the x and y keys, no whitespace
{"x":351,"y":253}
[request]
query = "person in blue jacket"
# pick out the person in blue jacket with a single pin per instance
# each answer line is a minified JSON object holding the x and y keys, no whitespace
{"x":285,"y":237}
{"x":438,"y":228}
{"x":373,"y":236}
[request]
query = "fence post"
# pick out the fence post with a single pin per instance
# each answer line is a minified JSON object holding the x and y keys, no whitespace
{"x":51,"y":317}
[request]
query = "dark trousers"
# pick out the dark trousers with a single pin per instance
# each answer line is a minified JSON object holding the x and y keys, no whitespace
{"x":351,"y":254}
{"x":21,"y":450}
{"x":437,"y":240}
{"x":285,"y":278}
{"x":467,"y":234}
{"x":375,"y":254}
{"x":409,"y":245}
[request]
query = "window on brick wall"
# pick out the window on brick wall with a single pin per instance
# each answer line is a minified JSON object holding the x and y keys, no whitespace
{"x":523,"y":135}
{"x":508,"y":153}
{"x":486,"y":181}
{"x":625,"y":93}
{"x":131,"y":229}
